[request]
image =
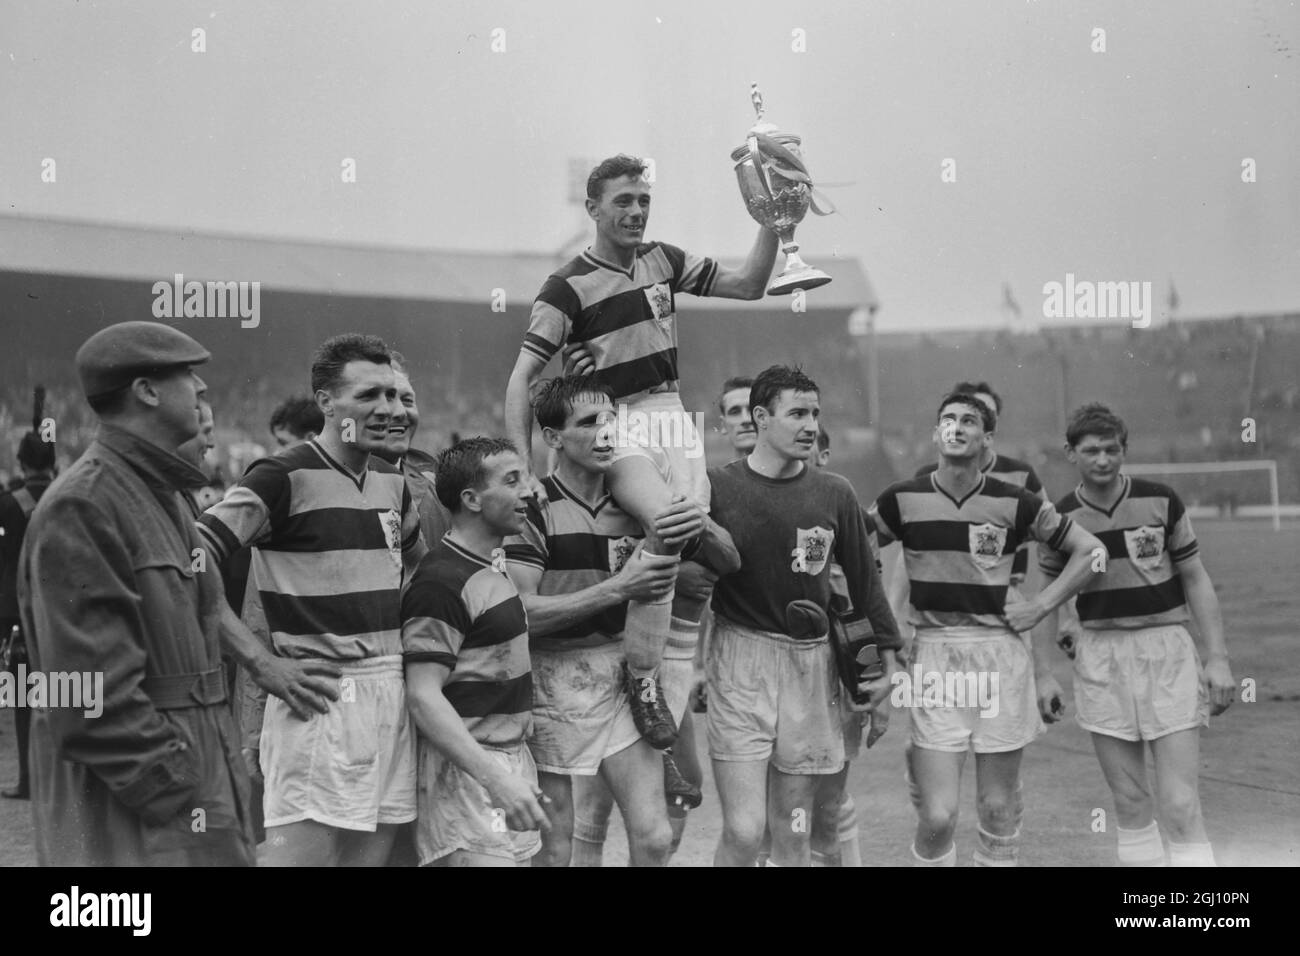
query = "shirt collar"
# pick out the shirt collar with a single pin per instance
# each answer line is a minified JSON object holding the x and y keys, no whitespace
{"x":155,"y":464}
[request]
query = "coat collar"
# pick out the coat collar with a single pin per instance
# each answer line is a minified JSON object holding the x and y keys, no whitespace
{"x":156,"y":465}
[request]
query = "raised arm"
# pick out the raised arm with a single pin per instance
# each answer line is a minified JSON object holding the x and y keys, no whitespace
{"x":750,"y":280}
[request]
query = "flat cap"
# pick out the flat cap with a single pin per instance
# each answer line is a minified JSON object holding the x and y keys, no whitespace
{"x":112,"y":357}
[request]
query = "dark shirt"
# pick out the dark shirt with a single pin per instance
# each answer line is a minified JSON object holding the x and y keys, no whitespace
{"x":788,"y":532}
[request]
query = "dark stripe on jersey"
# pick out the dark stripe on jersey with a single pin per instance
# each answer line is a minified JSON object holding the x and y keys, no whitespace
{"x":966,"y":598}
{"x":578,"y":552}
{"x":615,"y":313}
{"x":499,"y":624}
{"x":628,"y":378}
{"x":944,"y":536}
{"x":361,"y":612}
{"x":1131,"y":602}
{"x":331,"y":529}
{"x":221,"y":537}
{"x":474,"y":698}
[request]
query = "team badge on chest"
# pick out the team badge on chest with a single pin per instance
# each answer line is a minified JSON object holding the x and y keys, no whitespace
{"x":986,"y":544}
{"x":391,"y":523}
{"x":812,"y":550}
{"x":620,"y":549}
{"x":1145,"y":546}
{"x":660,"y":298}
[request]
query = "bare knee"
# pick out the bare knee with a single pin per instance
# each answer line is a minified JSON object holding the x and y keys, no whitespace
{"x":1180,"y":808}
{"x":937,"y":819}
{"x":999,"y":813}
{"x":652,"y":838}
{"x":744,"y":835}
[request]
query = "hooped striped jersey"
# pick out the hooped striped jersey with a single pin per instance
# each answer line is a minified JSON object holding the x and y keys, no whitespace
{"x":461,"y":611}
{"x":1146,"y":534}
{"x":625,"y":318}
{"x":329,"y":550}
{"x":959,"y":552}
{"x":1014,"y":472}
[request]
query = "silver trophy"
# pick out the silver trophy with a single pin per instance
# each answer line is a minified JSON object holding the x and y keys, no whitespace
{"x":778,"y":193}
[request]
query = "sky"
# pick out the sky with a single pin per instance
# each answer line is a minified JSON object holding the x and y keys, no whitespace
{"x":1122,"y":164}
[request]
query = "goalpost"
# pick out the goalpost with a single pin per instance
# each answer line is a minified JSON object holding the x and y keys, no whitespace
{"x":1201,"y":467}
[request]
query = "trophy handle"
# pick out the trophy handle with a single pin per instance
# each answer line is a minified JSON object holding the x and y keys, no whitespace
{"x":756,"y":160}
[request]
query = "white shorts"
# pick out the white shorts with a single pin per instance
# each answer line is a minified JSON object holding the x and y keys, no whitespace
{"x":1139,"y":683}
{"x":658,"y":427}
{"x":352,"y":767}
{"x":976,"y":690}
{"x":456,"y":812}
{"x":772,"y":697}
{"x":581,"y":713}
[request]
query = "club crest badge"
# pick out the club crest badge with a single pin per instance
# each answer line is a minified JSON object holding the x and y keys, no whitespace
{"x":620,"y":549}
{"x":660,"y":298}
{"x":391,"y":524}
{"x":1145,"y":546}
{"x":986,"y":544}
{"x":812,"y":550}
{"x":499,"y":560}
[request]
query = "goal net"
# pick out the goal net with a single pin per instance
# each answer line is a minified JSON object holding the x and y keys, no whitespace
{"x":1230,"y":489}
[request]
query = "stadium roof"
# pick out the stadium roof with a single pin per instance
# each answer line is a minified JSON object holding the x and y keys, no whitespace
{"x":106,"y":251}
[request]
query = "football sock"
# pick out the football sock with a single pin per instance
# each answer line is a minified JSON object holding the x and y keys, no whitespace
{"x":588,"y":842}
{"x":948,"y":858}
{"x":847,"y":833}
{"x":1141,"y":847}
{"x":1190,"y":854}
{"x":995,"y":850}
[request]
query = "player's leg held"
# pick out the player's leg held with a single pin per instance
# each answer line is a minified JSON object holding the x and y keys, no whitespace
{"x":557,"y":843}
{"x":640,"y":490}
{"x":789,"y":816}
{"x":938,"y":776}
{"x":742,"y":792}
{"x":635,"y":776}
{"x":1177,"y":756}
{"x":592,"y":805}
{"x":1123,"y":763}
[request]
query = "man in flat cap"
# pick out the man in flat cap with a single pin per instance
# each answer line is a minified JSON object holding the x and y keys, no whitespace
{"x":113,"y":581}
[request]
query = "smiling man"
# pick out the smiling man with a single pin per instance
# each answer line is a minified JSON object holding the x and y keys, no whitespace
{"x":960,"y":529}
{"x":774,"y":695}
{"x":618,"y":299}
{"x":468,"y":672}
{"x":334,"y":527}
{"x":577,"y":564}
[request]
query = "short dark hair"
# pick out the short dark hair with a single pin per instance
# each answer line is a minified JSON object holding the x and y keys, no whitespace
{"x":774,"y":380}
{"x":336,"y":352}
{"x":823,"y":440}
{"x":300,"y":415}
{"x":983,"y":388}
{"x":730,"y":385}
{"x":612,"y":168}
{"x":461,"y":467}
{"x":1095,"y":419}
{"x":553,"y":400}
{"x":968,"y":398}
